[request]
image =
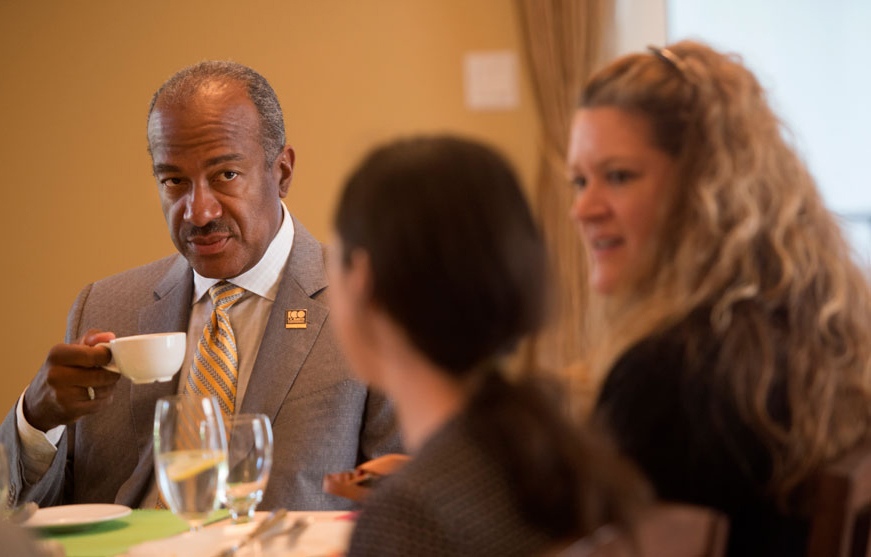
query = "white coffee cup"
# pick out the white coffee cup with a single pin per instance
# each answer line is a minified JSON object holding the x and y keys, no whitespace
{"x":147,"y":358}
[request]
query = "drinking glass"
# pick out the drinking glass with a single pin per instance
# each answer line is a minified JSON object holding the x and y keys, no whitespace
{"x":4,"y":481}
{"x":190,"y":455}
{"x":249,"y":454}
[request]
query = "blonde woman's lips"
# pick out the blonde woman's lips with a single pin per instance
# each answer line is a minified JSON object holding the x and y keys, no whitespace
{"x":607,"y":243}
{"x":604,"y":245}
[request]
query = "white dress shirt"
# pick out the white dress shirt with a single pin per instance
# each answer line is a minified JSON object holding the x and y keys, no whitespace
{"x":261,"y":283}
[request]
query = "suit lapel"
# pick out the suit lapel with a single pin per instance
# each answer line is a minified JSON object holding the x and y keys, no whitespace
{"x":169,"y":312}
{"x":282,"y":350}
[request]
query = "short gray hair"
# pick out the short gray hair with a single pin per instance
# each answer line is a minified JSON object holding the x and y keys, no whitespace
{"x":187,"y":81}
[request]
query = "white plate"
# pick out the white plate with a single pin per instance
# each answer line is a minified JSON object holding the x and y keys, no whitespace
{"x":68,"y":516}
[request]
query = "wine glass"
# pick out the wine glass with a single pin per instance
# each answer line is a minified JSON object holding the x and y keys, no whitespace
{"x":190,"y":455}
{"x":249,"y":456}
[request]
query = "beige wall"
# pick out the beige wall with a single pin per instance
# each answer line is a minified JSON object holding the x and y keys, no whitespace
{"x":79,"y":200}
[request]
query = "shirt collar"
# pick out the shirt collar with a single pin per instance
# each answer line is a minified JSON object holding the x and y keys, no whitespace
{"x":264,"y":277}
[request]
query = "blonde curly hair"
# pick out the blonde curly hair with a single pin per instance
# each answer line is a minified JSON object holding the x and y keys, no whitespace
{"x":746,"y":239}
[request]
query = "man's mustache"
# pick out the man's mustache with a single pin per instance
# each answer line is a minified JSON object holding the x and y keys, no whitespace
{"x":211,"y":227}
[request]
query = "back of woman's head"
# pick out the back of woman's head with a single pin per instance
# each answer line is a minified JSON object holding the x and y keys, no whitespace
{"x":746,"y":237}
{"x":456,"y":259}
{"x":458,"y":264}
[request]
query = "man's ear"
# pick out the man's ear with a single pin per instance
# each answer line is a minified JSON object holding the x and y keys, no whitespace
{"x":284,"y":169}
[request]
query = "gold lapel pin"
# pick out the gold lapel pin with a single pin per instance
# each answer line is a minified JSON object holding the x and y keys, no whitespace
{"x":295,"y":319}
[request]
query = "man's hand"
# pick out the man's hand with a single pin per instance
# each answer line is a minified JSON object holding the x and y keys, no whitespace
{"x":59,"y":393}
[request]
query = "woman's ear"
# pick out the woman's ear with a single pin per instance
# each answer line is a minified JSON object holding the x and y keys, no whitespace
{"x":359,"y":280}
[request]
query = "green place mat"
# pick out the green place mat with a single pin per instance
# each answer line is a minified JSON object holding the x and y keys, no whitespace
{"x":117,"y":536}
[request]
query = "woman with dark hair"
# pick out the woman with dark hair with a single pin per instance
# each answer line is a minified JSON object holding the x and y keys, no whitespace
{"x":734,"y":344}
{"x":439,"y":271}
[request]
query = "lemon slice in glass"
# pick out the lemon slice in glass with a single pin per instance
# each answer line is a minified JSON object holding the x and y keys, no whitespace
{"x":184,"y":465}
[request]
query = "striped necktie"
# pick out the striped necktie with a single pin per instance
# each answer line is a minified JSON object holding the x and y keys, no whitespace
{"x":215,"y":367}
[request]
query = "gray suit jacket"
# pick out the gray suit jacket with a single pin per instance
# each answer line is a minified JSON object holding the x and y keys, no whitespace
{"x":323,"y":420}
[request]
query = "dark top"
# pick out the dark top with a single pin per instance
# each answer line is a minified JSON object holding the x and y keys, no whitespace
{"x":681,"y":426}
{"x":451,"y":499}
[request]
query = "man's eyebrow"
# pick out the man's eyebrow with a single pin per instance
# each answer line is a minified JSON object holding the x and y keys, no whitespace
{"x":224,"y":158}
{"x":162,"y":167}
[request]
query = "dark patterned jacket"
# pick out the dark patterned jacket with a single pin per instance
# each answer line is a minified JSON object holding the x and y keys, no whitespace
{"x":452,"y":499}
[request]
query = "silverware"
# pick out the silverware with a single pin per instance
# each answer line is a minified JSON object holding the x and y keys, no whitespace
{"x":291,"y":534}
{"x":268,"y":524}
{"x":296,"y":529}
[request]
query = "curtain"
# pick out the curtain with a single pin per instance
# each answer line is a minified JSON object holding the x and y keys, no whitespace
{"x":565,"y":41}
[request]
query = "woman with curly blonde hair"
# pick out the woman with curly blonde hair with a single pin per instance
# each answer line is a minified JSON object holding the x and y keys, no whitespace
{"x":733,"y":328}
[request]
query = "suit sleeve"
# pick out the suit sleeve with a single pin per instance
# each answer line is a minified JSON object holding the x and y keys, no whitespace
{"x":49,"y":490}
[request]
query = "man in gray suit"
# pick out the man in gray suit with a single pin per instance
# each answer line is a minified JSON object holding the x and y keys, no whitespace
{"x":80,"y":434}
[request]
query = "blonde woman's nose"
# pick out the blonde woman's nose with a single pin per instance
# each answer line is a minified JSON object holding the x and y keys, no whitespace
{"x":589,"y":203}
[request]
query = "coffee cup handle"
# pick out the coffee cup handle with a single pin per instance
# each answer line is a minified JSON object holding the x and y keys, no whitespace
{"x":111,"y":366}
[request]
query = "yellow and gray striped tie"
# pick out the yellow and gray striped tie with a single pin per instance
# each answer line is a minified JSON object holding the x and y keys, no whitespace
{"x":215,"y":367}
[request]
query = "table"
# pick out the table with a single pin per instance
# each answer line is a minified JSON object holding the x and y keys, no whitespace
{"x":328,"y":534}
{"x":117,"y":536}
